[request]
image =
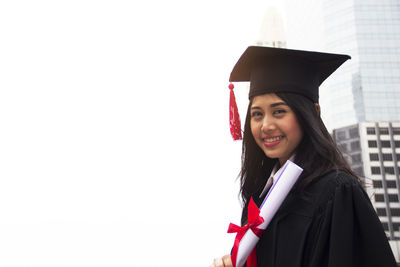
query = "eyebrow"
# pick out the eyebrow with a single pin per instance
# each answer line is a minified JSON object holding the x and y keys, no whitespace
{"x":272,"y":105}
{"x":278,"y":104}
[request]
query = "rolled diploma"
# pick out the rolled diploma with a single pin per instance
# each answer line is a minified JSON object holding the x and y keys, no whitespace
{"x":276,"y":195}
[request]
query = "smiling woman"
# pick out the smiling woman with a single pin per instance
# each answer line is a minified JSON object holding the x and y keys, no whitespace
{"x":327,"y":219}
{"x":274,"y":127}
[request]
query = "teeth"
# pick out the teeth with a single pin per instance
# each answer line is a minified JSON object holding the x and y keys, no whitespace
{"x":273,"y":139}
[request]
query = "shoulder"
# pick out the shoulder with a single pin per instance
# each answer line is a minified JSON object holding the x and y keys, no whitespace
{"x":334,"y":180}
{"x":333,"y":185}
{"x":345,"y":226}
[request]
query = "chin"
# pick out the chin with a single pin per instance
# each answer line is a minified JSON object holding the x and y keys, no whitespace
{"x":272,"y":155}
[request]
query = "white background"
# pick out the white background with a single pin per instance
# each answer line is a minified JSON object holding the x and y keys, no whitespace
{"x":114,"y":140}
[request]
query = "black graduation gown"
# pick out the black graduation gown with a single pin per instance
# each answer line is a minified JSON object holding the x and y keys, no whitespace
{"x":335,"y":226}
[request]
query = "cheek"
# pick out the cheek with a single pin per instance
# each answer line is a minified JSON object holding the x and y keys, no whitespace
{"x":255,"y":130}
{"x":296,"y":131}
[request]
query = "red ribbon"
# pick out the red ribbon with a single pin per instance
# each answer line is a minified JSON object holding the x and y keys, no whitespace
{"x":234,"y":119}
{"x":254,"y":219}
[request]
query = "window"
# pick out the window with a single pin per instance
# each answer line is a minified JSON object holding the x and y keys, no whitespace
{"x":373,"y":143}
{"x":393,"y":198}
{"x":387,"y":157}
{"x":396,"y":226}
{"x":353,"y":132}
{"x":355,"y":145}
{"x":391,"y":184}
{"x":396,"y":130}
{"x":395,"y":212}
{"x":381,"y":212}
{"x":385,"y":143}
{"x":385,"y":226}
{"x":370,"y":130}
{"x":343,"y":147}
{"x":383,"y":131}
{"x":373,"y":157}
{"x":375,"y":170}
{"x":379,"y":198}
{"x":377,"y":184}
{"x":340,"y":135}
{"x":356,"y":158}
{"x":397,"y":143}
{"x":389,"y":170}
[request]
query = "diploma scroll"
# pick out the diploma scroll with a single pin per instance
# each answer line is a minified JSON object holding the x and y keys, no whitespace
{"x":276,"y":195}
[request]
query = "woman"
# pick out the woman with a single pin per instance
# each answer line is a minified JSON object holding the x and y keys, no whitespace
{"x":327,"y":218}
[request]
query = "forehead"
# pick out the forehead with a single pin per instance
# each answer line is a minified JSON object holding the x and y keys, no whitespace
{"x":266,"y":100}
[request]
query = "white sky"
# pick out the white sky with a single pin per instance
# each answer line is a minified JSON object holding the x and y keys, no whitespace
{"x":114,"y":139}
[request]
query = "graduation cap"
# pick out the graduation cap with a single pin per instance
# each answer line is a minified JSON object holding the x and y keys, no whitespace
{"x":273,"y":70}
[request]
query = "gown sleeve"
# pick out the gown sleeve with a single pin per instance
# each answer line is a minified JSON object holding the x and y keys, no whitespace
{"x":349,"y":232}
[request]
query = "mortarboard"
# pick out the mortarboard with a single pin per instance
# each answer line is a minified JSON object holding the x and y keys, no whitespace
{"x":273,"y":70}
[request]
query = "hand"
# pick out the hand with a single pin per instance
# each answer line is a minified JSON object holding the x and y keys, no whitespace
{"x":225,"y":261}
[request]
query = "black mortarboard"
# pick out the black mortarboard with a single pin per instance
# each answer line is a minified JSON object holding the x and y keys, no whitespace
{"x":273,"y":70}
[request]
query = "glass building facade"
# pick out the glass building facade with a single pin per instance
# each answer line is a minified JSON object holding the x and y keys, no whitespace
{"x":366,"y":88}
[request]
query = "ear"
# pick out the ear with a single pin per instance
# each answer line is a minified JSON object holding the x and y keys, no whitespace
{"x":318,"y":108}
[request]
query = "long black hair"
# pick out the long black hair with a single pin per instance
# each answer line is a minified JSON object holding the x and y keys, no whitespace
{"x":317,"y":153}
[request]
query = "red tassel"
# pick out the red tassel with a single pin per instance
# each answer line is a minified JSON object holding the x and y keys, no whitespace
{"x":234,"y":119}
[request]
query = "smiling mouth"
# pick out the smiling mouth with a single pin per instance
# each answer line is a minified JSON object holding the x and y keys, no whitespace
{"x":272,"y":139}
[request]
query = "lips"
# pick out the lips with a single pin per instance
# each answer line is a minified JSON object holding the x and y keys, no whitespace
{"x":272,"y":141}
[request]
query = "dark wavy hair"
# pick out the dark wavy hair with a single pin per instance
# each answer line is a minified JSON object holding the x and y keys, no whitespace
{"x":317,"y":153}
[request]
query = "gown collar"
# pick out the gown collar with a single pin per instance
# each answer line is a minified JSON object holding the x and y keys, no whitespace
{"x":273,"y":176}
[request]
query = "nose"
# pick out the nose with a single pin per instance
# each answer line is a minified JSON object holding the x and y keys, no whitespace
{"x":268,"y":124}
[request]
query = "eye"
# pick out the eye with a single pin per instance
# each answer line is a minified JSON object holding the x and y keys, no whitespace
{"x":279,"y":112}
{"x":256,"y":114}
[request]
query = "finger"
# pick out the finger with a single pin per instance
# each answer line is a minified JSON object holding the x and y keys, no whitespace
{"x":227,"y":261}
{"x":218,"y":262}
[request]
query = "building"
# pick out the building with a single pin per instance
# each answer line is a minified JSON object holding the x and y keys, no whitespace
{"x":365,"y":93}
{"x":373,"y":151}
{"x":367,"y":88}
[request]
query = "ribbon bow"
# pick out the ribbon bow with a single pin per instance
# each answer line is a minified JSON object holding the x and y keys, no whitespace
{"x":254,"y":219}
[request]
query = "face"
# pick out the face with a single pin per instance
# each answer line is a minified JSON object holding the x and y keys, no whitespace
{"x":274,"y":127}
